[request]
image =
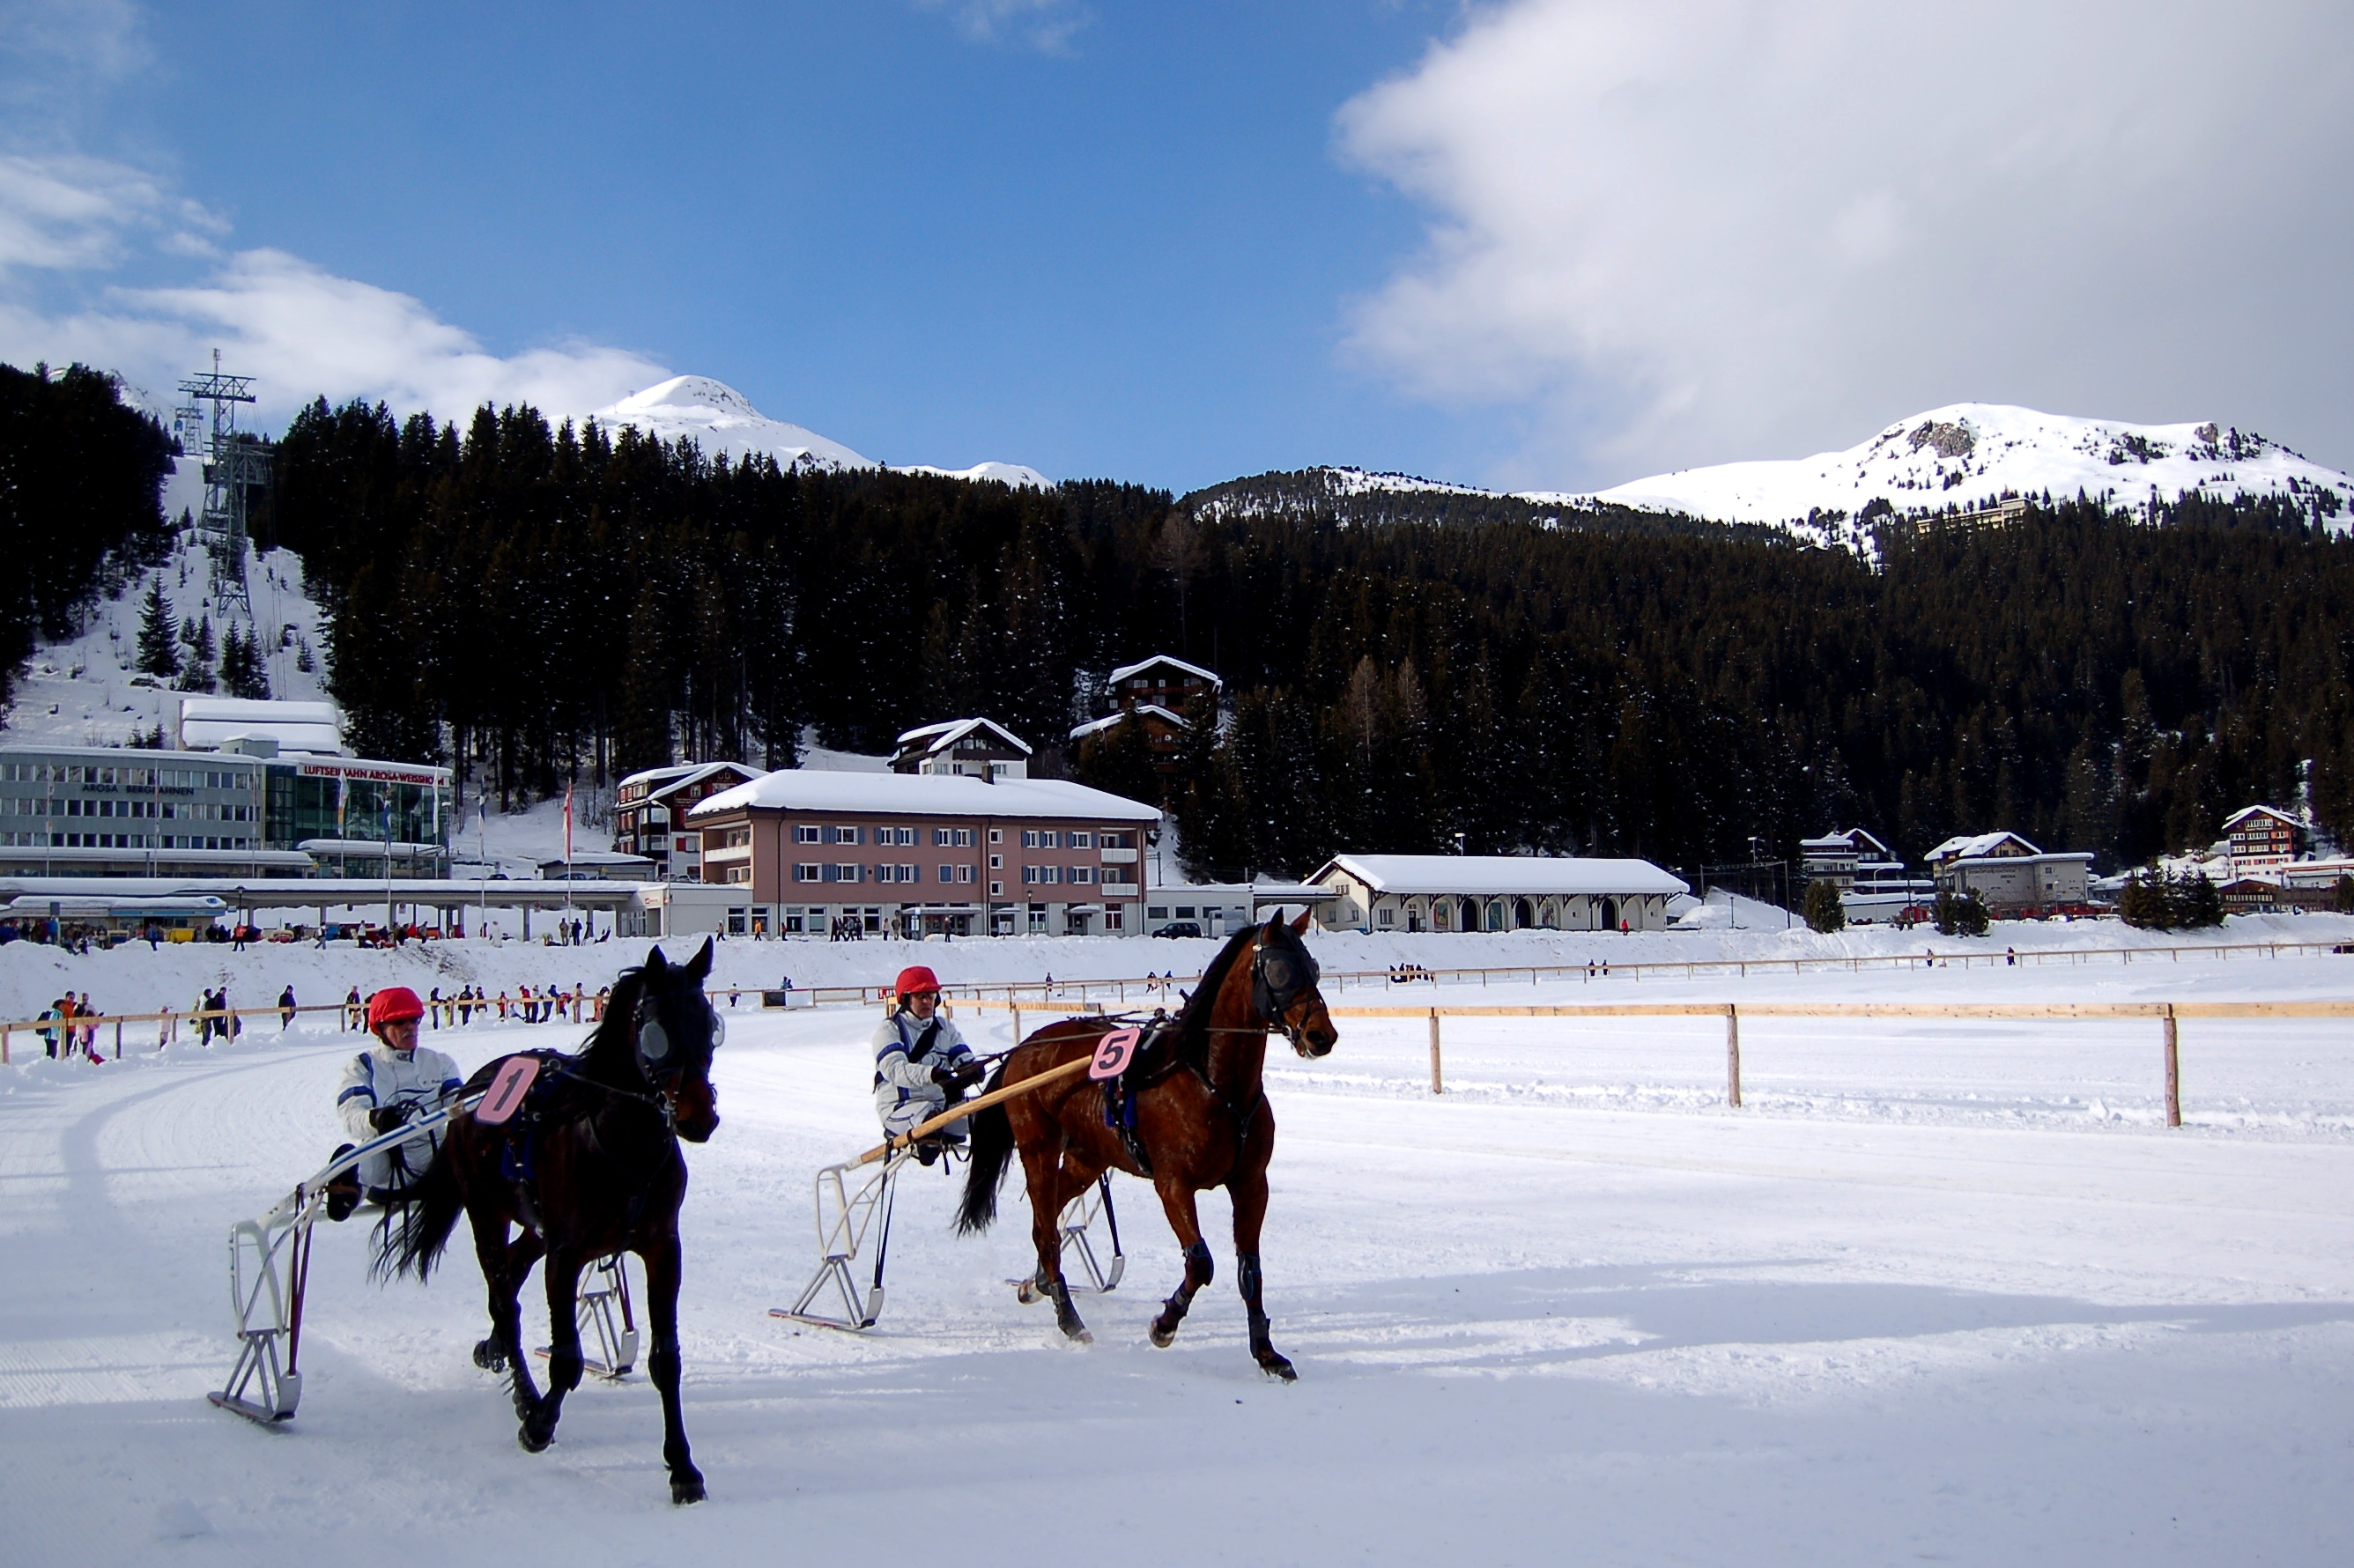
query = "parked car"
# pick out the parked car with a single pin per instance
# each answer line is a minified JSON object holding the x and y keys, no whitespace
{"x":1180,"y":928}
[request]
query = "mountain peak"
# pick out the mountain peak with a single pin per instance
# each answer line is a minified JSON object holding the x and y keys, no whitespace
{"x":723,"y":422}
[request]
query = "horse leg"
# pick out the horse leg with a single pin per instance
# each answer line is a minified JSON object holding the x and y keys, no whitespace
{"x":1250,"y":1208}
{"x":1177,"y":1199}
{"x":503,"y":1268}
{"x":562,"y":1277}
{"x":663,"y":1270}
{"x":1043,"y":1173}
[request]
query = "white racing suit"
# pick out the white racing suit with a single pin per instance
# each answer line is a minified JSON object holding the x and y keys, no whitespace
{"x":380,"y":1076}
{"x":905,"y":1051}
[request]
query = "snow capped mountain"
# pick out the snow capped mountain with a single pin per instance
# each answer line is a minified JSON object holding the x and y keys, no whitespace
{"x":1969,"y":456}
{"x":723,"y":422}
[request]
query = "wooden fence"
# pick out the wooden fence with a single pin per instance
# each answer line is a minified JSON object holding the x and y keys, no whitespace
{"x":2168,"y":1014}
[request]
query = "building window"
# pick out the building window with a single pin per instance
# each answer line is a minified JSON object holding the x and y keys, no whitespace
{"x":1116,"y":841}
{"x":997,"y":890}
{"x":964,"y":874}
{"x":997,"y":835}
{"x":1388,"y":915}
{"x":948,"y":873}
{"x":844,"y":873}
{"x":1115,"y":918}
{"x":1083,"y":841}
{"x":1083,"y":874}
{"x":810,"y":872}
{"x":806,"y":833}
{"x":842,"y":835}
{"x":1158,"y":912}
{"x":901,"y":836}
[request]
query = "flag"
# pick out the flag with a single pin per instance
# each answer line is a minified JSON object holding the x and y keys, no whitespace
{"x":342,"y":797}
{"x":567,"y":827}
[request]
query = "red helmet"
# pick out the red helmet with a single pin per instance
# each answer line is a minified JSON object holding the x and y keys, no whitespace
{"x":916,"y":978}
{"x":393,"y":1004}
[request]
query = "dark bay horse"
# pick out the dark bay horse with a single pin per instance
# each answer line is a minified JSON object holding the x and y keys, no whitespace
{"x":591,"y":1165}
{"x":1201,"y":1120}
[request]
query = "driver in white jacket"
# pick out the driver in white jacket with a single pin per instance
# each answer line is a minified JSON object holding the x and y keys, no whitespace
{"x":383,"y":1086}
{"x":922,"y":1065}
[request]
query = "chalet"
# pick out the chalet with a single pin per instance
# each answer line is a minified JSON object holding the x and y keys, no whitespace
{"x":2261,"y":837}
{"x":650,"y":814}
{"x":1164,"y":681}
{"x":2009,"y":874}
{"x":925,"y":854}
{"x":1164,"y":730}
{"x":1495,"y":893}
{"x":2252,"y":895}
{"x":964,"y":749}
{"x":1853,"y":861}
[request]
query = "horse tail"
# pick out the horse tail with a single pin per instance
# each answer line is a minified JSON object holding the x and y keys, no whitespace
{"x":413,"y":1237}
{"x":990,"y":1147}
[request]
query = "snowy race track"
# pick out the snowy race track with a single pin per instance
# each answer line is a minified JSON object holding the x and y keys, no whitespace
{"x":1941,"y":1292}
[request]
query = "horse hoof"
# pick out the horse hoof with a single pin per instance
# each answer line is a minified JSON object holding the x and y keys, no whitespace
{"x":489,"y":1357}
{"x":686,"y":1489}
{"x":1077,"y":1334}
{"x":532,"y":1441}
{"x":1276,"y":1366}
{"x":1164,"y":1338}
{"x":1026,"y":1291}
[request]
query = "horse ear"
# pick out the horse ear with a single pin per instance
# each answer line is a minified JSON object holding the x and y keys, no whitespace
{"x":656,"y":964}
{"x":699,"y":966}
{"x":1299,"y":926}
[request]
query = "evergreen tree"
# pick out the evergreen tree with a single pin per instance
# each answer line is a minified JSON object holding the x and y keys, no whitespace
{"x":1971,"y":918}
{"x":198,"y":676}
{"x":159,"y":650}
{"x":2201,"y":902}
{"x":2341,"y":895}
{"x":1821,"y":907}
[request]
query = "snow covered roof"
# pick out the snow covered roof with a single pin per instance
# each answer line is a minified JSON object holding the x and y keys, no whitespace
{"x":1096,"y":727}
{"x":1969,"y":846}
{"x":923,"y":794}
{"x":681,"y":774}
{"x":945,"y":733}
{"x":2244,"y":812}
{"x":1540,"y":875}
{"x":1125,"y":671}
{"x":207,"y":724}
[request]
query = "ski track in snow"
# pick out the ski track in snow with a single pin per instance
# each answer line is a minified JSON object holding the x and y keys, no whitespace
{"x":1918,"y":1301}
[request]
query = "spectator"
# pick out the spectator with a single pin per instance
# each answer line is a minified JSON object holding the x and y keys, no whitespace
{"x":433,"y":1007}
{"x":52,"y":1015}
{"x":352,"y":1010}
{"x":286,"y":1008}
{"x":167,"y":1027}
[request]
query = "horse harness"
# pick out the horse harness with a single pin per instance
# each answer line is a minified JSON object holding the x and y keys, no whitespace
{"x":519,"y":1149}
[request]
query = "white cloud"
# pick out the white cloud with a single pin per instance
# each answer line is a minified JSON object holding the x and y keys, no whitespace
{"x":1043,"y":25}
{"x":64,"y":223}
{"x":1681,"y":231}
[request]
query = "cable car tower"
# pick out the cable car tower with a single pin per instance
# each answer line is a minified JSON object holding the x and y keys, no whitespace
{"x":235,"y":466}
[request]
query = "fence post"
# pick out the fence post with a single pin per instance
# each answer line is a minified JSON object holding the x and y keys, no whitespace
{"x":1732,"y":1055}
{"x":1015,"y":1008}
{"x":4,"y":1046}
{"x":2173,"y":1073}
{"x":118,"y":1040}
{"x":1437,"y":1085}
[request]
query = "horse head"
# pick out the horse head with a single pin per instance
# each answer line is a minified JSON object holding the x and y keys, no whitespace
{"x":1283,"y":987}
{"x":673,"y":1029}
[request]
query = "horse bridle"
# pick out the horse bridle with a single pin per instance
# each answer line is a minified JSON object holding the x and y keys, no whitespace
{"x":1277,"y":981}
{"x":657,"y":1053}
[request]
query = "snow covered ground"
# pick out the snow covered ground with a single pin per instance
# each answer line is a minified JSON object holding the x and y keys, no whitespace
{"x":1941,"y":1292}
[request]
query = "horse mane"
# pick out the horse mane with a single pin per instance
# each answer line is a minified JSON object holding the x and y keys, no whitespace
{"x":1193,"y":1018}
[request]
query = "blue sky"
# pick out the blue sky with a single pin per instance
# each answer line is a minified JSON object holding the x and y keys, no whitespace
{"x":1554,"y":243}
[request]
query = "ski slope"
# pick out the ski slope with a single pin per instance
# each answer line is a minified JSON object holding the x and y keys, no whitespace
{"x":1942,"y":1291}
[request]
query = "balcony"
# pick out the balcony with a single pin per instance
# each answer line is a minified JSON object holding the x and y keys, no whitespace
{"x":1119,"y":889}
{"x":1119,"y":857}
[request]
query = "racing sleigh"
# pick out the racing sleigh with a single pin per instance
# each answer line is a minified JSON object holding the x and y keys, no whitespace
{"x":851,"y":1206}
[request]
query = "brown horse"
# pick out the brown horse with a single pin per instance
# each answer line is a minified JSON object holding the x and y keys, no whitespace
{"x":1201,"y":1120}
{"x":589,"y":1166}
